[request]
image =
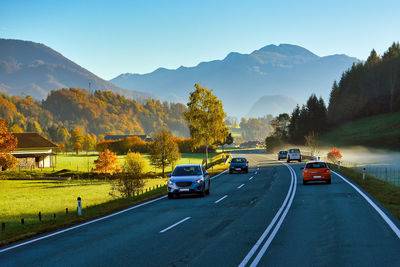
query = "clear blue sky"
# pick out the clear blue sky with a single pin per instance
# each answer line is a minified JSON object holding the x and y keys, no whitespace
{"x":114,"y":37}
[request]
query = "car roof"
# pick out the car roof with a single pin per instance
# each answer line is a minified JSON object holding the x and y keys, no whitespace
{"x":294,"y":148}
{"x":282,"y":150}
{"x":189,"y":165}
{"x":238,"y":158}
{"x":316,"y":161}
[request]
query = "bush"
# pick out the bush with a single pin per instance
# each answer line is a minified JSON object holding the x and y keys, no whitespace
{"x":107,"y":162}
{"x":131,"y":181}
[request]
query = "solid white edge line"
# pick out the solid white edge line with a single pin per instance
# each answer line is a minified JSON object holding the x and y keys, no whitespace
{"x":278,"y":225}
{"x":395,"y":229}
{"x":264,"y":235}
{"x":81,"y":225}
{"x":251,"y":178}
{"x":255,"y":173}
{"x":175,"y":224}
{"x":89,"y":222}
{"x":222,"y":198}
{"x":240,"y":186}
{"x":218,"y":174}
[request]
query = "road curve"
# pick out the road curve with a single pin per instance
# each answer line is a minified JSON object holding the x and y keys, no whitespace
{"x":265,"y":217}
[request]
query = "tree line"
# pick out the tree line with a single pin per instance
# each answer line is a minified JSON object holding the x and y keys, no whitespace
{"x":93,"y":114}
{"x":366,"y":89}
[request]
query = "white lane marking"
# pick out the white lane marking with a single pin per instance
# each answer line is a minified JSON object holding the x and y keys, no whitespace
{"x":251,"y":178}
{"x":255,"y":173}
{"x":278,"y":225}
{"x":218,"y":174}
{"x":240,"y":186}
{"x":258,"y":169}
{"x":222,"y":198}
{"x":175,"y":224}
{"x":90,"y":222}
{"x":395,"y":229}
{"x":81,"y":225}
{"x":264,"y":235}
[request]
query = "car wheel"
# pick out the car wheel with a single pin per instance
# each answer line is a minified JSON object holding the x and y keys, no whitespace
{"x":328,"y":181}
{"x":279,"y":158}
{"x":208,"y":190}
{"x":288,"y":160}
{"x":299,"y":160}
{"x":170,"y":195}
{"x":230,"y":172}
{"x":247,"y":170}
{"x":304,"y":182}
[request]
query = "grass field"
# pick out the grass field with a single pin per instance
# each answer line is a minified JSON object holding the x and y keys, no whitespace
{"x":85,"y":162}
{"x":376,"y":131}
{"x":26,"y":198}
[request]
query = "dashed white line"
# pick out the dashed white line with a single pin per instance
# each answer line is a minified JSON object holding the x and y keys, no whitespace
{"x":255,"y":173}
{"x":258,"y":169}
{"x":240,"y":186}
{"x":175,"y":224}
{"x":222,"y":198}
{"x":251,"y":178}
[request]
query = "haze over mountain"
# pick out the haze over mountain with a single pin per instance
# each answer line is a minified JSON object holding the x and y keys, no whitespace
{"x":35,"y":69}
{"x":271,"y":104}
{"x":239,"y":80}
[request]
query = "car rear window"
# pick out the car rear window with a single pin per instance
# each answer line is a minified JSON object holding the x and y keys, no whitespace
{"x":295,"y":150}
{"x":187,"y":171}
{"x":316,"y":165}
{"x":283,"y":152}
{"x":238,"y":160}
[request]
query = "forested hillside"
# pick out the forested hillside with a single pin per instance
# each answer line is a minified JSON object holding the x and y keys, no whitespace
{"x":368,"y":88}
{"x":96,"y":113}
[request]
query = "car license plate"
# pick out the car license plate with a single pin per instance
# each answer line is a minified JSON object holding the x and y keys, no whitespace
{"x":184,"y":190}
{"x":238,"y":169}
{"x":317,"y":176}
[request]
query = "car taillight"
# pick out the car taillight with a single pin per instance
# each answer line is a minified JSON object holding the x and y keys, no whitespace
{"x":305,"y":170}
{"x":327,"y":171}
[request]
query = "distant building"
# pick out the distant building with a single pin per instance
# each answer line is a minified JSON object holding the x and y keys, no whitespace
{"x":114,"y":137}
{"x":34,"y":151}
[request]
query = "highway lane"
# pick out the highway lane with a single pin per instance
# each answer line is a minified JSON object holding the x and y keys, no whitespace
{"x":325,"y":225}
{"x":215,"y":234}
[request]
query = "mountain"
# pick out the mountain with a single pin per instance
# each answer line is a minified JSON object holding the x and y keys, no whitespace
{"x":240,"y":79}
{"x":271,"y":104}
{"x":35,"y":69}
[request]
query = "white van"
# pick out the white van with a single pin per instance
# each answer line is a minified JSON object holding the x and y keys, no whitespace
{"x":294,"y":154}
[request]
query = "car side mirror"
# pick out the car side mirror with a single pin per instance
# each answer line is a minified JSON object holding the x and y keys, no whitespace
{"x":302,"y":168}
{"x":247,"y":162}
{"x":169,"y":175}
{"x":206,"y":173}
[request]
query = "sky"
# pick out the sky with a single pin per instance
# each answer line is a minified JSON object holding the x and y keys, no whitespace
{"x":113,"y":37}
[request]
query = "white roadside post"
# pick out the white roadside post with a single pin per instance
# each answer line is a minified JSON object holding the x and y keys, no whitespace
{"x":338,"y":165}
{"x":79,"y":206}
{"x":363,"y":173}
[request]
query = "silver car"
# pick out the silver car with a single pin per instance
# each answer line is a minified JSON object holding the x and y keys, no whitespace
{"x":189,"y":179}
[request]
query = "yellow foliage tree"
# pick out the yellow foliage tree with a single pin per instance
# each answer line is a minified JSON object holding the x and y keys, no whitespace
{"x":8,"y":143}
{"x":107,"y":162}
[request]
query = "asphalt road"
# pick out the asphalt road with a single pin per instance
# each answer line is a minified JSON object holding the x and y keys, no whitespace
{"x":266,"y":217}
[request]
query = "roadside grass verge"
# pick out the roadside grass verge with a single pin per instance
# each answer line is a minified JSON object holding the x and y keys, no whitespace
{"x":386,"y":193}
{"x":25,"y":198}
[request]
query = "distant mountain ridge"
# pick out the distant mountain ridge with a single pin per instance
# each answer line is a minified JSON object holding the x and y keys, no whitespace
{"x":35,"y":69}
{"x":241,"y":79}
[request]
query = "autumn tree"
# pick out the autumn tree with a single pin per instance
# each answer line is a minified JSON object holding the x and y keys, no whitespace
{"x":89,"y":142}
{"x":107,"y":162}
{"x":206,"y":118}
{"x":76,"y":137}
{"x":164,"y":151}
{"x":77,"y":147}
{"x":8,"y":143}
{"x":312,"y":143}
{"x":334,"y":155}
{"x":131,"y":181}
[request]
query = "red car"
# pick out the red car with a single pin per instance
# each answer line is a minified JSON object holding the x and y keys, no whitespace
{"x":316,"y":171}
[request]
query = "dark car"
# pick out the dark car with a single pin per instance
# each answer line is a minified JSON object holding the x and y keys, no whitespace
{"x":282,"y":154}
{"x":239,"y":165}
